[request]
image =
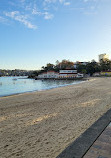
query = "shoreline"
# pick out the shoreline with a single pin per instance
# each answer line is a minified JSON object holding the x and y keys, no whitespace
{"x":44,"y":123}
{"x":27,"y":92}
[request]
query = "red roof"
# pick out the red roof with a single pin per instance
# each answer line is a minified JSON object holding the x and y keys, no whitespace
{"x":44,"y":73}
{"x":50,"y":71}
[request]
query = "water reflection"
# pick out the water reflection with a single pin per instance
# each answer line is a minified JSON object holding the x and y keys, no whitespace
{"x":0,"y":83}
{"x":14,"y":85}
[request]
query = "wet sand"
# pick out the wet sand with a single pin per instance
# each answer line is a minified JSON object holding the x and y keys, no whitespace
{"x":42,"y":124}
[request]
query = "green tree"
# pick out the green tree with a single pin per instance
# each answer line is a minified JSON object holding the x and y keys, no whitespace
{"x":92,"y":67}
{"x":48,"y":67}
{"x":64,"y":64}
{"x":105,"y":65}
{"x":81,"y":68}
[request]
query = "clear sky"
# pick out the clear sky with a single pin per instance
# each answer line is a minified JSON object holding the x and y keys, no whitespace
{"x":36,"y":32}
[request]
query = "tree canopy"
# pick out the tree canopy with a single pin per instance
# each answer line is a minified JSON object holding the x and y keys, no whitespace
{"x":87,"y":68}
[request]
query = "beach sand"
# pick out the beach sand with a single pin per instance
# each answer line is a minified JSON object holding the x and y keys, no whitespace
{"x":42,"y":124}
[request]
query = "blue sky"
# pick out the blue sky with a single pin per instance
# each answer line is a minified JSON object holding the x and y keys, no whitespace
{"x":36,"y":32}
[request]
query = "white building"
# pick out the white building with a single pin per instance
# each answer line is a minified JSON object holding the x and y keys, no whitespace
{"x":67,"y":73}
{"x":103,"y":57}
{"x":63,"y":74}
{"x":48,"y":74}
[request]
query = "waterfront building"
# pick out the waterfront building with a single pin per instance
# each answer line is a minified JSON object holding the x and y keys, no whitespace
{"x":48,"y":74}
{"x":63,"y":74}
{"x":67,"y":73}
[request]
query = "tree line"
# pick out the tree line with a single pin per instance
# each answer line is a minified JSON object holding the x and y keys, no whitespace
{"x":88,"y":68}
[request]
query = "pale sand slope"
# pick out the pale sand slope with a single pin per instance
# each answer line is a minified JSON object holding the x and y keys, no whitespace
{"x":42,"y":124}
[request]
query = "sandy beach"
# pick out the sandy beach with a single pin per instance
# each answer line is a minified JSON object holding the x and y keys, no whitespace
{"x":42,"y":124}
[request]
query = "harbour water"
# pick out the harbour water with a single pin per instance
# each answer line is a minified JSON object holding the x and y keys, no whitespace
{"x":16,"y":85}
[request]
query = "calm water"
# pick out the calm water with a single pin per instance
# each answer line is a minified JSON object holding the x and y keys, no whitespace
{"x":15,"y":85}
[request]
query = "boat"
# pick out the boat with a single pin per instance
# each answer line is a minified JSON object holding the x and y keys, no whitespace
{"x":14,"y":79}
